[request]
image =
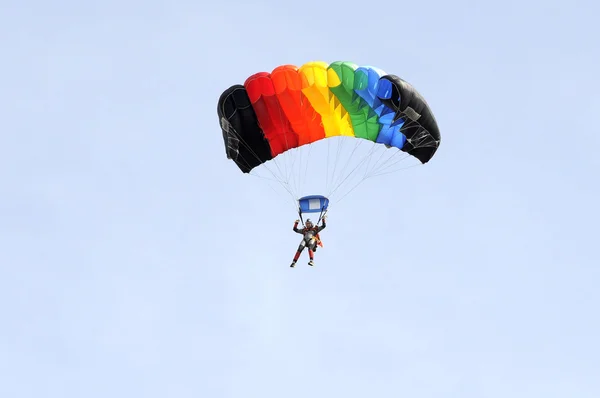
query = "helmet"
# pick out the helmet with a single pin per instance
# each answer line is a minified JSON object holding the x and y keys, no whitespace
{"x":309,"y":223}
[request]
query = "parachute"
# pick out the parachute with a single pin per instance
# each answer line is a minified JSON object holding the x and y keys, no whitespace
{"x":270,"y":120}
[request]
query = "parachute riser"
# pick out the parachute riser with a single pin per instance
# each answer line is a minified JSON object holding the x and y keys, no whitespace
{"x":300,"y":214}
{"x":323,"y":212}
{"x":321,"y":215}
{"x":312,"y":204}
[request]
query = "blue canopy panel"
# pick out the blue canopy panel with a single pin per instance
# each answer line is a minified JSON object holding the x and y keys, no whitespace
{"x":313,"y":204}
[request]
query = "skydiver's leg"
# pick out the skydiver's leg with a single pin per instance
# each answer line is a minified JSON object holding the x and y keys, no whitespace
{"x":298,"y":251}
{"x":312,"y":245}
{"x":311,"y":256}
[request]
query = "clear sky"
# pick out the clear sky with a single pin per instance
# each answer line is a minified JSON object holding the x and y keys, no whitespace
{"x":137,"y":261}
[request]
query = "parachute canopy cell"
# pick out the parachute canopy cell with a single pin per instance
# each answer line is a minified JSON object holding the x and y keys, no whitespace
{"x":272,"y":113}
{"x":313,"y":204}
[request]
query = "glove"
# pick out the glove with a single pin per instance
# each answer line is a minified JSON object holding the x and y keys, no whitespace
{"x":296,"y":222}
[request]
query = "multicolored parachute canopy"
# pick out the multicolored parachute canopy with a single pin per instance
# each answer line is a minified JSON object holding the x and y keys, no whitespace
{"x":272,"y":113}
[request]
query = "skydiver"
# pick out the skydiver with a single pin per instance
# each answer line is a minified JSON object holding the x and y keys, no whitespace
{"x":310,"y":239}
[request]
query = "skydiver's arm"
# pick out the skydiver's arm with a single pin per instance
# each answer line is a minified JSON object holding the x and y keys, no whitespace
{"x":298,"y":230}
{"x":322,"y":227}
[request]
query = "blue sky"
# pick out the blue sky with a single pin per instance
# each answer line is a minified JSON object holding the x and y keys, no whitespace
{"x":137,"y":261}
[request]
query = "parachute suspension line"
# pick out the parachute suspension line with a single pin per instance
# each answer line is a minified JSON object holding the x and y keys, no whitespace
{"x":340,"y":143}
{"x":327,"y":173}
{"x":290,"y":176}
{"x":386,"y":166}
{"x":395,"y":171}
{"x":290,"y":159}
{"x":393,"y":160}
{"x":366,"y":176}
{"x":370,"y":175}
{"x":365,"y":158}
{"x":300,"y":158}
{"x":370,"y":159}
{"x":306,"y":168}
{"x":281,"y":175}
{"x":294,"y":161}
{"x":380,"y":164}
{"x":293,"y":202}
{"x":283,"y":119}
{"x":296,"y":157}
{"x":331,"y":177}
{"x":299,"y":161}
{"x":388,"y":163}
{"x":282,"y":166}
{"x":337,"y":156}
{"x":293,"y":183}
{"x":369,"y":166}
{"x":323,"y":212}
{"x":349,"y":174}
{"x":330,"y":161}
{"x":357,"y":143}
{"x":353,"y":188}
{"x":249,"y":148}
{"x":300,"y":215}
{"x":370,"y":162}
{"x":254,"y":174}
{"x":281,"y":182}
{"x":283,"y":159}
{"x":338,"y":159}
{"x":375,"y":163}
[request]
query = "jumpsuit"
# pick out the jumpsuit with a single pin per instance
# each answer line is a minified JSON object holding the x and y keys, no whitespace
{"x":308,"y":240}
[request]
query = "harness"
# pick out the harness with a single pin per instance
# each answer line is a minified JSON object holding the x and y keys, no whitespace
{"x":316,"y":237}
